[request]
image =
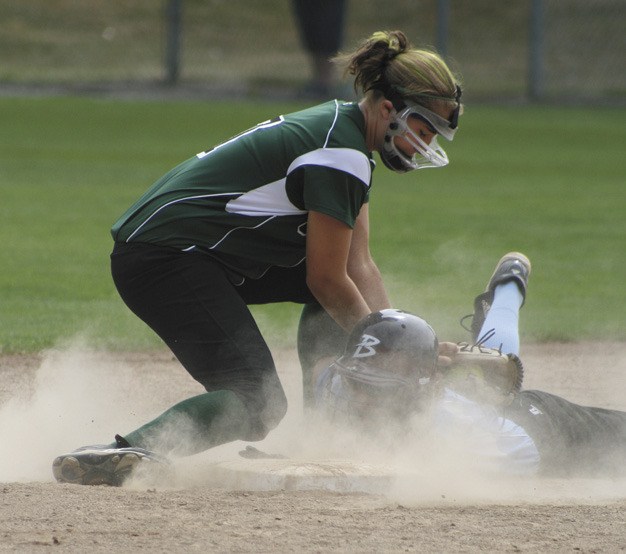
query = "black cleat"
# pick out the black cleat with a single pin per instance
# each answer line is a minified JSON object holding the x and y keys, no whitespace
{"x":513,"y":266}
{"x":102,"y":464}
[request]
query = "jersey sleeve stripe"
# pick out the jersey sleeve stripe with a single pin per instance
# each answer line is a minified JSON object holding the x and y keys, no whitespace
{"x":344,"y":159}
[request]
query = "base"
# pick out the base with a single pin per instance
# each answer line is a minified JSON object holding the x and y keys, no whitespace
{"x":297,"y":475}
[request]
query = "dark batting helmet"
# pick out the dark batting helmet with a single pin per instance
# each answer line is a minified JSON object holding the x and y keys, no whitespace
{"x":389,"y":359}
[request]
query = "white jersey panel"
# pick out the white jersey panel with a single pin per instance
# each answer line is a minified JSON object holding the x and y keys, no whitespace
{"x":344,"y":159}
{"x":270,"y":199}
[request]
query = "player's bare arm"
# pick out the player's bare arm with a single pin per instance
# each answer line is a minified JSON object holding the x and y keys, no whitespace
{"x":361,"y":267}
{"x":327,"y":250}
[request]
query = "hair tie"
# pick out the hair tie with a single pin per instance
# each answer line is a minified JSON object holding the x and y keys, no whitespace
{"x":390,"y":54}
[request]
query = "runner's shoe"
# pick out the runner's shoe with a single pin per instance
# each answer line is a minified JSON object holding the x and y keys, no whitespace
{"x":513,"y":266}
{"x":103,"y":464}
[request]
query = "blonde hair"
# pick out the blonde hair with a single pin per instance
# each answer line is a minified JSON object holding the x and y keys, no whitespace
{"x":386,"y":64}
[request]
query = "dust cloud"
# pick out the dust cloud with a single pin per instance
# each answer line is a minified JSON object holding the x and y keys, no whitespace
{"x":76,"y":396}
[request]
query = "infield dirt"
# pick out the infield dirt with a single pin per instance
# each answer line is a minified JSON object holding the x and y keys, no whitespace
{"x":61,"y":399}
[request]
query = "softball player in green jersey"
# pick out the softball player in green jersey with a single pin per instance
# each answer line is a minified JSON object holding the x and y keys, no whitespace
{"x":278,"y":213}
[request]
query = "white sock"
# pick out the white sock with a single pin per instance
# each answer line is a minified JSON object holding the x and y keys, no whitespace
{"x":504,"y":318}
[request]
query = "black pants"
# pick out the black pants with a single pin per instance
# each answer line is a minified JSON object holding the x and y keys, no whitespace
{"x":189,"y":301}
{"x":572,"y":439}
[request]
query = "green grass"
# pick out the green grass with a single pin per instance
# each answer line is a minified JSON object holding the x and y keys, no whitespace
{"x":547,"y":181}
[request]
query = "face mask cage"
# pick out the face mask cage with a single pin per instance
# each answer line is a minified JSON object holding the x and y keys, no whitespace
{"x":358,"y":392}
{"x":426,"y":155}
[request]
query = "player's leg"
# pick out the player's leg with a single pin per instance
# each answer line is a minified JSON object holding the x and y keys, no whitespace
{"x":319,"y":336}
{"x":320,"y":340}
{"x":498,"y":307}
{"x":572,"y":439}
{"x":503,"y":319}
{"x":188,"y":300}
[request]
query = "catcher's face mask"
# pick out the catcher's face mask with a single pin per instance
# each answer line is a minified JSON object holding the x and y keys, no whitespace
{"x":426,"y":155}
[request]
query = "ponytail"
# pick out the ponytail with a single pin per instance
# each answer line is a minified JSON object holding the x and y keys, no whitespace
{"x":386,"y":64}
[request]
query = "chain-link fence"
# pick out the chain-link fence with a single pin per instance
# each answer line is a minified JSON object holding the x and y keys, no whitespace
{"x":247,"y":47}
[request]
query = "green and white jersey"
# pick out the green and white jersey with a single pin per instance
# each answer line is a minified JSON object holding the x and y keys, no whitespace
{"x":246,"y":201}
